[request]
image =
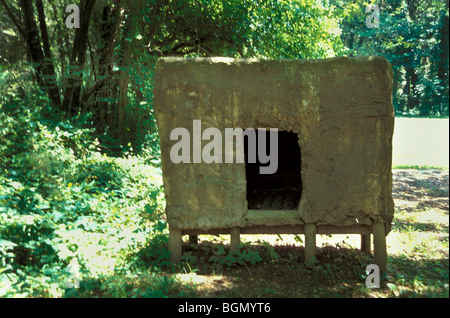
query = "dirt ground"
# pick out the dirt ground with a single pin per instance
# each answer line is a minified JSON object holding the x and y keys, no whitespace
{"x":416,"y":189}
{"x":340,"y":267}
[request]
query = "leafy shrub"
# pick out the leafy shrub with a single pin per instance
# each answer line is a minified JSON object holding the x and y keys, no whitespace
{"x":243,"y":257}
{"x":62,"y":199}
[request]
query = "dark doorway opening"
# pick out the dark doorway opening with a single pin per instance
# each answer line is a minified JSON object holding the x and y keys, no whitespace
{"x":281,"y":190}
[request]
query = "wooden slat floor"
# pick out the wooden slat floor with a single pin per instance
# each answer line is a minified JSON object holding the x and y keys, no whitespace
{"x":274,"y":200}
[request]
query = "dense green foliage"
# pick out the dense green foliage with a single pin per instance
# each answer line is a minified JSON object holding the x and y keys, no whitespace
{"x":105,"y":67}
{"x":61,"y":198}
{"x":79,"y":149}
{"x":413,"y":36}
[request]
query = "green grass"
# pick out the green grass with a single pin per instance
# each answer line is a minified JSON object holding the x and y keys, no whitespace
{"x":417,"y":167}
{"x":419,"y":116}
{"x":62,"y":200}
{"x":418,"y":253}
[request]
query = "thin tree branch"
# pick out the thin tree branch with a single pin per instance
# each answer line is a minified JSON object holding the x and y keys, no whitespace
{"x":13,"y":18}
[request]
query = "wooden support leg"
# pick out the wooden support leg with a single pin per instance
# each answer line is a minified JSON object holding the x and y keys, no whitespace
{"x":175,"y":245}
{"x":310,"y":243}
{"x":379,"y":246}
{"x":366,"y":242}
{"x":235,"y":240}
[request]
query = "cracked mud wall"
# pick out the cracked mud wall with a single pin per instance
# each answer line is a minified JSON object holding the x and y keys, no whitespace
{"x":341,"y":109}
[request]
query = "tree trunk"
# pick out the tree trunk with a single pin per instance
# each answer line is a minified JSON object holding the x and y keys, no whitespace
{"x":412,"y":10}
{"x":128,"y":35}
{"x":414,"y":96}
{"x":48,"y":59}
{"x":396,"y":86}
{"x":110,"y":25}
{"x":44,"y":71}
{"x":71,"y":102}
{"x":123,"y":83}
{"x":443,"y":66}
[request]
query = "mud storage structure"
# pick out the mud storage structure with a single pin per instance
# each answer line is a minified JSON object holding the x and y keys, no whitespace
{"x":335,"y":122}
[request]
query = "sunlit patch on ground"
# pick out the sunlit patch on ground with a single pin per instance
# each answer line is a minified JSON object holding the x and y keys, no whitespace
{"x":417,"y":246}
{"x":206,"y":283}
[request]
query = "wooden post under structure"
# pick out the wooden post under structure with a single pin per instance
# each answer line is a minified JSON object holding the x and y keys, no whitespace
{"x":235,"y":240}
{"x":379,"y":246}
{"x":366,"y":243}
{"x":310,"y":243}
{"x":175,"y":245}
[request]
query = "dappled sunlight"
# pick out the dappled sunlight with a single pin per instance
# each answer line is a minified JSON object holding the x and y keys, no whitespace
{"x":417,"y":254}
{"x":82,"y":202}
{"x":206,"y":284}
{"x":418,"y":245}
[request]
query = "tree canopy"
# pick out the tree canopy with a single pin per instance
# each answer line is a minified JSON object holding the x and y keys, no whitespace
{"x":104,"y":68}
{"x":79,"y":150}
